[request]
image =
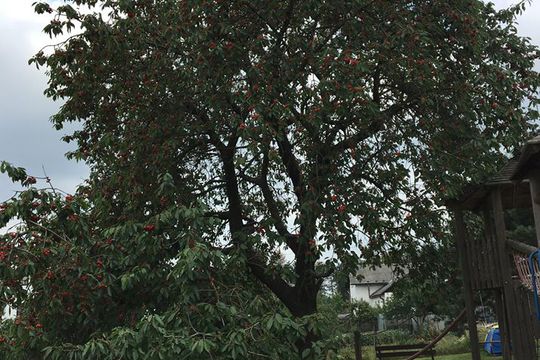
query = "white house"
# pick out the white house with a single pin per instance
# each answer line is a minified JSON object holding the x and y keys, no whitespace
{"x":374,"y":286}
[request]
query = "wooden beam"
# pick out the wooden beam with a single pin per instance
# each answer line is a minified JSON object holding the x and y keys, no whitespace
{"x":520,"y":247}
{"x":461,"y":242}
{"x":534,"y":183}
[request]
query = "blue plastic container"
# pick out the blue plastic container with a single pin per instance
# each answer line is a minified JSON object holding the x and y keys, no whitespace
{"x":492,"y":344}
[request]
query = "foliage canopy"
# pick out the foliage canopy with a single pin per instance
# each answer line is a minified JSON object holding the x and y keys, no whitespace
{"x":221,"y":132}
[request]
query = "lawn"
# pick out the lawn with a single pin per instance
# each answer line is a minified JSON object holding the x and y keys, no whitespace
{"x":463,"y":357}
{"x":369,"y":354}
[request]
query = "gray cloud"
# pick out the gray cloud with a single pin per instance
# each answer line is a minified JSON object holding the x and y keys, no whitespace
{"x":27,"y":137}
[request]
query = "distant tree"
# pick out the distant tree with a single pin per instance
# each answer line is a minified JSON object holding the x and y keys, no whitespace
{"x":221,"y":132}
{"x":435,"y":289}
{"x":520,"y":225}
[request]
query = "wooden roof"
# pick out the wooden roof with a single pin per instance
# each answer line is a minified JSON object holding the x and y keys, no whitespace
{"x":529,"y":159}
{"x":512,"y":179}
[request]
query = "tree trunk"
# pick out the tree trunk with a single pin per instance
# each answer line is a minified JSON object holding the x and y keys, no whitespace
{"x":305,"y":304}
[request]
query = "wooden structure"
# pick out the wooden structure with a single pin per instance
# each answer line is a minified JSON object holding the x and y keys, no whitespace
{"x":490,"y":260}
{"x":400,"y":351}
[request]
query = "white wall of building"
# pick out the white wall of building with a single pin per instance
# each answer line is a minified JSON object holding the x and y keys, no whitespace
{"x":363,"y":292}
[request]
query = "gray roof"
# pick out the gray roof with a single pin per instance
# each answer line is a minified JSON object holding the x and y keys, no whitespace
{"x":382,"y":290}
{"x":367,"y":275}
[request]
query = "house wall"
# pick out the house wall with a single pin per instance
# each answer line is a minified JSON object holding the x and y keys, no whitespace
{"x":362,"y":292}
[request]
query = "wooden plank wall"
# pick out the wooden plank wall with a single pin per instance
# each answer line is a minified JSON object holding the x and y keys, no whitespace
{"x":523,"y":341}
{"x":482,"y":252}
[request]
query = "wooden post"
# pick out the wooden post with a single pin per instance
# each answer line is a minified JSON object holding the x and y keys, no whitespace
{"x":503,"y":324}
{"x":502,"y":317}
{"x":357,"y":345}
{"x":461,"y":240}
{"x":513,"y":330}
{"x":534,"y":183}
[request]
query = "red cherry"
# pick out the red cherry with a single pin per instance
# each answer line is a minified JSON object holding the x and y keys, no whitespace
{"x":334,"y":197}
{"x":31,"y":180}
{"x":46,"y":252}
{"x":242,"y":126}
{"x":149,"y":227}
{"x":494,"y":105}
{"x":163,"y":201}
{"x":341,"y":208}
{"x":212,"y":45}
{"x":39,"y":326}
{"x":69,"y":198}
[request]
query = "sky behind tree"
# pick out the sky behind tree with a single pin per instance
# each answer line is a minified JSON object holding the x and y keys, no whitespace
{"x":27,"y":138}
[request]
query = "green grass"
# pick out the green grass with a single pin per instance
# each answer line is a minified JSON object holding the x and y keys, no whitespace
{"x":451,"y":347}
{"x":369,"y":354}
{"x":465,"y":357}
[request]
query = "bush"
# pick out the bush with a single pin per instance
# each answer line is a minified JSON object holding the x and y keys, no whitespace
{"x":389,"y":337}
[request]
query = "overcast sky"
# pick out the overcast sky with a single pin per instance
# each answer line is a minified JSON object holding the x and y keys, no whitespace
{"x":27,"y":138}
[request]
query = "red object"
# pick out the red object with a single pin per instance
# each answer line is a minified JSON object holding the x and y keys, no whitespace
{"x":150,"y":227}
